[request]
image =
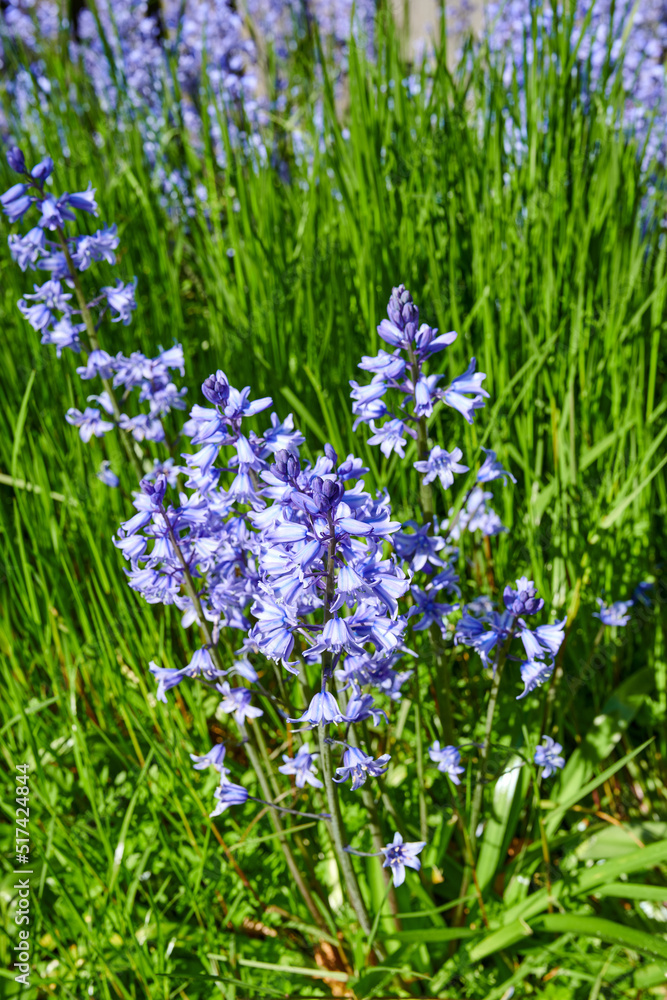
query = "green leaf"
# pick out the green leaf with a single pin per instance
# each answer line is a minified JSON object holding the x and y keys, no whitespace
{"x":606,"y":930}
{"x":554,"y":820}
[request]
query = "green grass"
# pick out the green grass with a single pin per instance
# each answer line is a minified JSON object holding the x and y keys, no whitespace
{"x":540,"y":265}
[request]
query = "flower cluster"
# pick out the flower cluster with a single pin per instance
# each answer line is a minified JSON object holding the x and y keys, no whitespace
{"x":195,"y":63}
{"x":491,"y":632}
{"x":65,"y":318}
{"x":402,"y":370}
{"x":609,"y":39}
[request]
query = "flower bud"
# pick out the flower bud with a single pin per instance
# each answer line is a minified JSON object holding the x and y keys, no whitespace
{"x":16,"y":159}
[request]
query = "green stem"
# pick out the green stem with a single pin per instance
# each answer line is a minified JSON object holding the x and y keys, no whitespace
{"x":370,"y":802}
{"x":95,"y":346}
{"x":426,"y":498}
{"x":469,"y":855}
{"x":444,"y":687}
{"x":423,"y":819}
{"x":254,"y":758}
{"x":339,"y":837}
{"x":478,"y":794}
{"x":484,"y":755}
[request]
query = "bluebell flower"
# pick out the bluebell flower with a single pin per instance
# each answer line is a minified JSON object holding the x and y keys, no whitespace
{"x":216,"y":388}
{"x":613,"y":614}
{"x":99,"y":363}
{"x":48,"y":299}
{"x":533,"y":674}
{"x":240,"y":405}
{"x":420,"y":547}
{"x":302,"y":767}
{"x":351,"y":468}
{"x":281,"y":437}
{"x":492,"y":469}
{"x":107,"y":476}
{"x":432,"y":611}
{"x":154,"y":491}
{"x":55,"y":212}
{"x":201,"y":665}
{"x":447,"y":579}
{"x":543,"y":639}
{"x":388,"y":366}
{"x":100,"y":246}
{"x":84,"y":201}
{"x":475,"y":516}
{"x":642,"y":593}
{"x":427,"y":343}
{"x":399,"y":855}
{"x":523,"y":600}
{"x":42,"y":170}
{"x":121,"y":300}
{"x":466,"y":394}
{"x":390,"y":436}
{"x":141,"y":427}
{"x":273,"y":630}
{"x":358,"y":766}
{"x":16,"y":160}
{"x":323,"y":708}
{"x":64,"y":334}
{"x":90,"y":422}
{"x":448,"y":760}
{"x":441,"y":464}
{"x":336,"y":636}
{"x":167,"y":468}
{"x":167,"y":678}
{"x":237,"y":701}
{"x":547,"y":757}
{"x":425,"y":393}
{"x":56,"y":264}
{"x":362,"y":706}
{"x":368,"y":401}
{"x":228,"y":794}
{"x":214,"y":758}
{"x":26,"y":250}
{"x":16,"y":202}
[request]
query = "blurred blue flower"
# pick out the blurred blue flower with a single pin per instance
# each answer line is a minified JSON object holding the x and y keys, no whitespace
{"x":302,"y":767}
{"x":448,"y":760}
{"x":214,"y":758}
{"x":441,"y":464}
{"x":492,"y":469}
{"x":613,"y":614}
{"x":228,"y":794}
{"x":547,"y":757}
{"x":533,"y":674}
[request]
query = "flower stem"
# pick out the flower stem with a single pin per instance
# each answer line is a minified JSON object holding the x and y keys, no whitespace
{"x":292,"y":812}
{"x":339,"y":838}
{"x":486,"y":746}
{"x":253,"y":756}
{"x":443,"y":685}
{"x":419,"y":738}
{"x":478,"y":794}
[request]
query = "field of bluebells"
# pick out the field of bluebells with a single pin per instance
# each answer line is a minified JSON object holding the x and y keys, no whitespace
{"x":333,"y":494}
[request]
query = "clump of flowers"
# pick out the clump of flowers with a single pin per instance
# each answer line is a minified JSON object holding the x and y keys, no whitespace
{"x":296,"y":563}
{"x":69,"y":318}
